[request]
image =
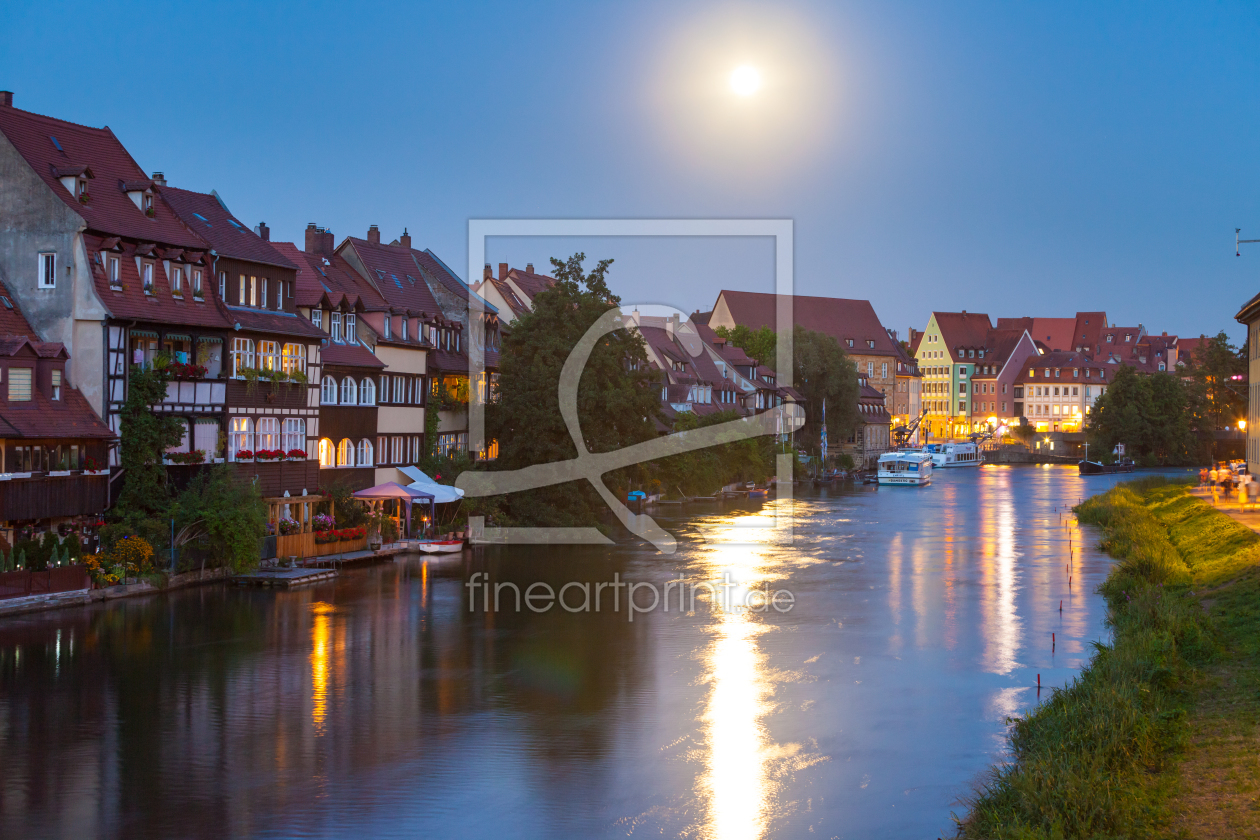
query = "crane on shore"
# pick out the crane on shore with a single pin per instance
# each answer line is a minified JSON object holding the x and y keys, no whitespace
{"x":902,"y":434}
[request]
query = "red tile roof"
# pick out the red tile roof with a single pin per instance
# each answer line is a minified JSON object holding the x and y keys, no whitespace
{"x":131,"y":301}
{"x":396,"y":275}
{"x":108,"y":210}
{"x":271,"y":321}
{"x":330,"y":281}
{"x":1055,"y":333}
{"x":209,"y":217}
{"x":349,"y":355}
{"x":838,"y":317}
{"x":962,"y":329}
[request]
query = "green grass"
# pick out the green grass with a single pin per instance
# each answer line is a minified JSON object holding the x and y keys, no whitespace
{"x":1100,"y":758}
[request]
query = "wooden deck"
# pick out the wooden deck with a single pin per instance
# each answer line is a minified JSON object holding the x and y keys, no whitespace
{"x":284,"y":578}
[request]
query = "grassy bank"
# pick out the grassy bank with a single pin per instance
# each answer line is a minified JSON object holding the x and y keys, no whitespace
{"x":1102,"y":758}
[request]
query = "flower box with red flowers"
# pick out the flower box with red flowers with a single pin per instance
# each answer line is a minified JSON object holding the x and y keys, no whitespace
{"x":297,"y":454}
{"x":180,"y":370}
{"x":269,"y":454}
{"x":244,"y":455}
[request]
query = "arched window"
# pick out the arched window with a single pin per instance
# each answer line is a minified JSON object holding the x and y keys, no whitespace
{"x":268,"y":355}
{"x":242,"y":437}
{"x":365,"y":453}
{"x":367,"y":391}
{"x":349,"y":391}
{"x":326,"y":453}
{"x":268,"y":434}
{"x":345,"y":453}
{"x":295,"y":358}
{"x":242,"y":355}
{"x":294,"y":434}
{"x":328,"y":391}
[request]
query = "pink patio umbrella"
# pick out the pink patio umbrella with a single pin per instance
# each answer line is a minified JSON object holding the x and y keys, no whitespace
{"x":394,"y":490}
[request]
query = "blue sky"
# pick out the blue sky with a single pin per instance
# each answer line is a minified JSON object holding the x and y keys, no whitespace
{"x":1015,"y":159}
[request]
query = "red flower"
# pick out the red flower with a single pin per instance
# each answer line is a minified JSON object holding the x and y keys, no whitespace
{"x":244,"y":455}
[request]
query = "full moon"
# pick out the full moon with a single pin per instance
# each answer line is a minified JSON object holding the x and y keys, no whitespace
{"x":745,"y":80}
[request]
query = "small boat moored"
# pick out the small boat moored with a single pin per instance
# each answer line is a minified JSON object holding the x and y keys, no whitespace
{"x":1097,"y":468}
{"x":439,"y":546}
{"x":912,"y":467}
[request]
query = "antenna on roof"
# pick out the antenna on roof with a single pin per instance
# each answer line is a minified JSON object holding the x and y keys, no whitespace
{"x":1238,"y":241}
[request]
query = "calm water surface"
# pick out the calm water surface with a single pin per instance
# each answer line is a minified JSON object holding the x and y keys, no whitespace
{"x":380,"y":705}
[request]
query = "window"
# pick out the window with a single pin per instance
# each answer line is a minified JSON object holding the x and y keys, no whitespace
{"x":326,"y":458}
{"x":242,"y":436}
{"x":345,"y":453}
{"x":349,"y":391}
{"x":367,"y":391}
{"x":388,"y":331}
{"x":396,"y":448}
{"x":870,"y":368}
{"x":849,"y":342}
{"x":56,"y":384}
{"x":960,"y":353}
{"x":223,"y":285}
{"x":244,"y":292}
{"x":1075,"y":391}
{"x":870,"y":343}
{"x":115,"y":271}
{"x":317,"y":317}
{"x":269,"y":355}
{"x":382,"y":448}
{"x":196,"y":282}
{"x":262,"y":292}
{"x":404,"y":329}
{"x":253,"y":291}
{"x":328,"y":391}
{"x":148,"y":204}
{"x":400,"y":389}
{"x":365,"y":453}
{"x":294,"y":358}
{"x":352,"y":334}
{"x":146,"y":277}
{"x":1076,"y":373}
{"x":242,"y":355}
{"x":19,"y":384}
{"x":268,"y":433}
{"x":177,"y":281}
{"x":884,"y":370}
{"x":336,"y":327}
{"x":294,"y":434}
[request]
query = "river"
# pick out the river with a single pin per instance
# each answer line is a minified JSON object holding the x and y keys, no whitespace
{"x":863,"y":704}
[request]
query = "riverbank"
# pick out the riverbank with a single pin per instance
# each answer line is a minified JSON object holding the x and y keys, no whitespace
{"x":1158,"y":736}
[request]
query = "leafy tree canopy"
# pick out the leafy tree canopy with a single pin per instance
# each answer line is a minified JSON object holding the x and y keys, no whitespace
{"x":760,"y":343}
{"x":1150,"y":415}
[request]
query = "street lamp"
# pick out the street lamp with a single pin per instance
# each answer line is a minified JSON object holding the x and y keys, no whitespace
{"x":1242,"y":425}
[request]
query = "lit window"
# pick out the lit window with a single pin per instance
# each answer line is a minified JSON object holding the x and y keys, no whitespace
{"x":294,"y":434}
{"x":242,"y":355}
{"x":19,"y":384}
{"x":326,"y":451}
{"x":294,"y":358}
{"x":243,"y":297}
{"x":253,"y":291}
{"x":242,"y":436}
{"x":56,"y":384}
{"x":345,"y":453}
{"x":268,"y":355}
{"x":328,"y":391}
{"x":268,"y":433}
{"x":349,"y":391}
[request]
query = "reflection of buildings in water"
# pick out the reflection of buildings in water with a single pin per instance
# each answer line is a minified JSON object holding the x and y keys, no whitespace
{"x":895,"y":549}
{"x":999,"y":619}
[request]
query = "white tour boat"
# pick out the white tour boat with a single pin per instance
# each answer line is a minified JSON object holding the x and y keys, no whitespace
{"x":955,"y":455}
{"x":912,"y":467}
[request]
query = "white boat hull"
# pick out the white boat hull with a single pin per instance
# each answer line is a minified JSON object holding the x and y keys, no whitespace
{"x":904,"y":479}
{"x":440,"y":546}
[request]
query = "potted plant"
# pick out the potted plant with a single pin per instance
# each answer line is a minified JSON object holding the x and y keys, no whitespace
{"x":296,"y":454}
{"x":244,"y":455}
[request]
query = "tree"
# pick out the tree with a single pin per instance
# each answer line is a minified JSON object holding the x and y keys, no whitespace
{"x":143,"y":505}
{"x":1150,"y":415}
{"x":760,"y":343}
{"x":618,"y":397}
{"x":1214,"y":364}
{"x":223,"y":517}
{"x":823,"y":371}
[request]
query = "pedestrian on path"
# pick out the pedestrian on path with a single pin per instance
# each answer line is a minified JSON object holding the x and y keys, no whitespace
{"x":1212,"y":476}
{"x":1203,"y":476}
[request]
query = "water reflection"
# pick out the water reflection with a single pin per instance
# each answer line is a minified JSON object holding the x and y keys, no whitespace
{"x":321,"y":663}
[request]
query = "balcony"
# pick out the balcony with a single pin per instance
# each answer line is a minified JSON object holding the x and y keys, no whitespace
{"x":42,"y":496}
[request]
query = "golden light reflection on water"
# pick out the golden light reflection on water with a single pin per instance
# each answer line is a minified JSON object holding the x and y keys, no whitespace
{"x":321,"y":663}
{"x":735,"y":784}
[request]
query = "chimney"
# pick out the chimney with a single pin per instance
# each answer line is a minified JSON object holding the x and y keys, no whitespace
{"x":671,"y":325}
{"x":405,"y":240}
{"x":6,"y":98}
{"x":314,"y":239}
{"x":374,"y":235}
{"x":328,"y":245}
{"x":487,"y":274}
{"x":964,"y":312}
{"x":529,"y":268}
{"x":503,"y":270}
{"x":263,"y":231}
{"x":159,"y":178}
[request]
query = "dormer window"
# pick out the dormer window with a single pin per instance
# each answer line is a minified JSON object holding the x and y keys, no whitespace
{"x":352,"y":335}
{"x":849,"y":341}
{"x":336,"y":327}
{"x":870,"y":343}
{"x":146,"y":204}
{"x":196,"y":282}
{"x":82,"y":190}
{"x":1127,"y":338}
{"x":1109,"y":337}
{"x":56,"y":384}
{"x":177,"y":281}
{"x":146,"y":277}
{"x":404,"y":328}
{"x":113,"y":270}
{"x":317,"y":317}
{"x":981,"y":354}
{"x":388,"y":330}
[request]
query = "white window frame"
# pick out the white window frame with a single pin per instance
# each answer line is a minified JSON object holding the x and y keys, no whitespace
{"x":267,"y":433}
{"x":293,"y":357}
{"x":269,"y":355}
{"x":177,"y":281}
{"x":293,"y":435}
{"x":335,"y":327}
{"x":349,"y":391}
{"x":352,"y":329}
{"x":367,"y":391}
{"x":241,"y":436}
{"x":47,"y":270}
{"x":345,"y":453}
{"x":146,"y":277}
{"x":404,"y":328}
{"x":327,"y":453}
{"x":242,"y":355}
{"x":196,"y":282}
{"x":388,"y":330}
{"x":223,"y":286}
{"x":317,"y":318}
{"x":56,"y":384}
{"x":114,"y":270}
{"x":365,"y":452}
{"x":328,"y":391}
